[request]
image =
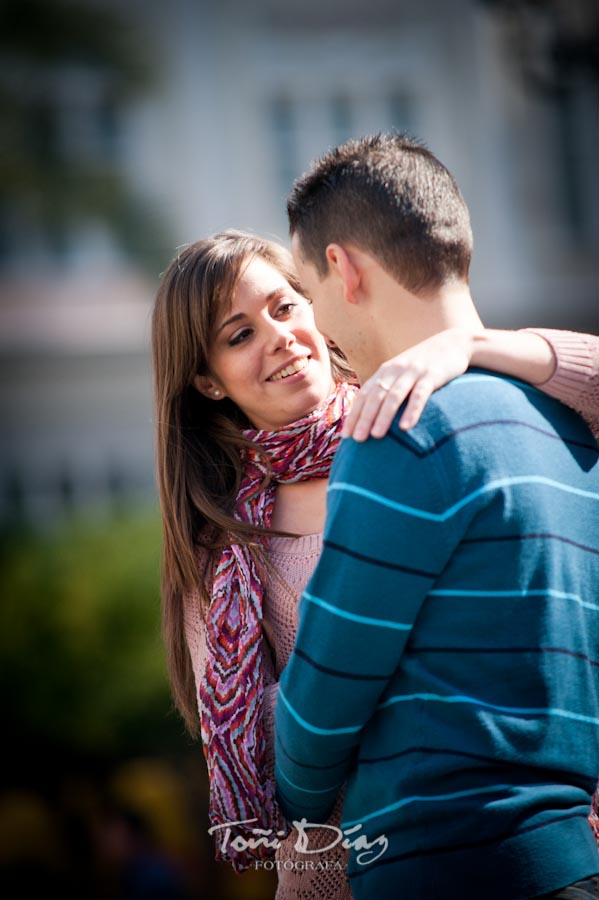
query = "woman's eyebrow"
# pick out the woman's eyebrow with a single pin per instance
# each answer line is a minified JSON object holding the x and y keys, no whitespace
{"x":241,"y":315}
{"x":235,"y":318}
{"x":276,"y":292}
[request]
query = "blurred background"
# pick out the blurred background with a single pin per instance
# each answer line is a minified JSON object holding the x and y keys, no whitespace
{"x":129,"y":130}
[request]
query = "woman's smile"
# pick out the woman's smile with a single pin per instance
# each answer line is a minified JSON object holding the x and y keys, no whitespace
{"x":295,"y":367}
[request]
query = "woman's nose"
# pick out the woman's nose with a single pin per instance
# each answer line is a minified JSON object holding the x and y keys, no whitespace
{"x":281,"y":336}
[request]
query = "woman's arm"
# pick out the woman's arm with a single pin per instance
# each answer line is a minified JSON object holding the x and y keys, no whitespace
{"x":195,"y":636}
{"x":564,"y":364}
{"x":575,"y":380}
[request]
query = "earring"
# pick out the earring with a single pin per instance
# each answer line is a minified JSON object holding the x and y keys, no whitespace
{"x":216,"y":393}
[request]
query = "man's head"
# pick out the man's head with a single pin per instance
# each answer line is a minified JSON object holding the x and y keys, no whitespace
{"x":390,"y":196}
{"x":389,"y":201}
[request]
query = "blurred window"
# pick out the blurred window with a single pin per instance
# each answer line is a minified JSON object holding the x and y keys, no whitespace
{"x":299,"y":125}
{"x":578,"y":126}
{"x":284,"y":128}
{"x":341,"y":116}
{"x":401,"y":111}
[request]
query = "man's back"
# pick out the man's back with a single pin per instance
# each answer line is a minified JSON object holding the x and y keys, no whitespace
{"x":453,"y":624}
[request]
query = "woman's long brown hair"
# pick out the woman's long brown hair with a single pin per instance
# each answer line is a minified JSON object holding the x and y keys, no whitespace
{"x":198,"y":440}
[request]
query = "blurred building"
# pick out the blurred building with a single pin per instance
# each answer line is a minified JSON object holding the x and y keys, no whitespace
{"x":242,"y":97}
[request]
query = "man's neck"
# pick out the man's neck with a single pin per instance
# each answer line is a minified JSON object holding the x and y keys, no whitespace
{"x":400,"y":320}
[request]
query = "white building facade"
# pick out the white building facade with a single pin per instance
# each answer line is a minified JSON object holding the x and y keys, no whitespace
{"x":244,"y":96}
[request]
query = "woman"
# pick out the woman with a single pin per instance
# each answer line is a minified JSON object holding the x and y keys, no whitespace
{"x":250,"y":405}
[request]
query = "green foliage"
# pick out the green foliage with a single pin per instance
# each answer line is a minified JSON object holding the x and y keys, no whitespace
{"x":68,"y":75}
{"x":81,"y":656}
{"x":47,"y":31}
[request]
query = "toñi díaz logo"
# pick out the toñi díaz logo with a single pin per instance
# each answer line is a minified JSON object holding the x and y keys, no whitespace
{"x":367,"y":851}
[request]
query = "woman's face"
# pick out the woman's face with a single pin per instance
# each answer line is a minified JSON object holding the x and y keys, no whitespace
{"x":266,"y":354}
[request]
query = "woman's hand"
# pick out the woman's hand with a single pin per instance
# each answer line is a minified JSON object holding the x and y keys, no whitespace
{"x":416,"y":372}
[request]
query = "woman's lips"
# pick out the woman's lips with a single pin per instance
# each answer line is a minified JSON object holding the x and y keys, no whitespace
{"x":291,"y":369}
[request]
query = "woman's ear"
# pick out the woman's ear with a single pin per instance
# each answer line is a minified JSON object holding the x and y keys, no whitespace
{"x":209,"y":387}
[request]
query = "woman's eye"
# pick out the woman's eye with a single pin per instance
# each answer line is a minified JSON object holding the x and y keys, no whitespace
{"x":239,"y":337}
{"x":285,"y":308}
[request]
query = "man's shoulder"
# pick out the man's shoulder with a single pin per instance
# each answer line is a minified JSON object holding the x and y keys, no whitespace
{"x":472,"y":422}
{"x":475,"y":398}
{"x":472,"y":406}
{"x":479,"y":409}
{"x":461,"y":409}
{"x":484,"y":425}
{"x":479,"y":392}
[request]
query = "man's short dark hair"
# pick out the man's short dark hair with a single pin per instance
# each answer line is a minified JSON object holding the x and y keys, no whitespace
{"x":389,"y":195}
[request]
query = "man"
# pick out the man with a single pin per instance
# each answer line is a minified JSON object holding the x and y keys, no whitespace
{"x":446,"y":664}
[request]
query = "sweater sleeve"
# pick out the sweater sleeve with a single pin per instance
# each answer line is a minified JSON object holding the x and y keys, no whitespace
{"x":195,"y":635}
{"x":268,"y":719}
{"x":576,"y":378}
{"x":193,"y":619}
{"x":357,"y":613}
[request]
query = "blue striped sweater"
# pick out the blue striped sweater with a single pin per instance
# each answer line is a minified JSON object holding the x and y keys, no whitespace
{"x":447,"y":659}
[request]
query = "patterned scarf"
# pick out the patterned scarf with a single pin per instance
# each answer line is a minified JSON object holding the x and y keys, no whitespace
{"x":231,"y":691}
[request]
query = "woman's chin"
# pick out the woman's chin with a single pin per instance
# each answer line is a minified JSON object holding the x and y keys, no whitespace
{"x":315,"y":399}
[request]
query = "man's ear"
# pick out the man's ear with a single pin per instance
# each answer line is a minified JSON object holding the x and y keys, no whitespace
{"x":209,"y":387}
{"x":345,"y":269}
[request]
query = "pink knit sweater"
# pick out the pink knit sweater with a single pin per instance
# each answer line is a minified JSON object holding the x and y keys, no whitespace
{"x":312,"y":876}
{"x":322,"y":876}
{"x":576,"y":378}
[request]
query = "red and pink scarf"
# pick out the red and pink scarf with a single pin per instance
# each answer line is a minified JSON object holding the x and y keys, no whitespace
{"x":231,"y":691}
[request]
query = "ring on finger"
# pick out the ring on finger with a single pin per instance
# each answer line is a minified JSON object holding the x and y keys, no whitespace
{"x":382,"y":385}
